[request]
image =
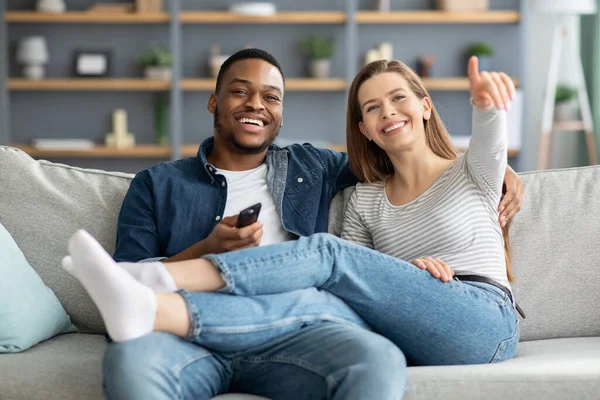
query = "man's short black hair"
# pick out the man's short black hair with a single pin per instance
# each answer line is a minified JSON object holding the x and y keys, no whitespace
{"x":246,"y":54}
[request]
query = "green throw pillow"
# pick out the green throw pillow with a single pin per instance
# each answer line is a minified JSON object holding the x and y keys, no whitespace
{"x":29,"y":310}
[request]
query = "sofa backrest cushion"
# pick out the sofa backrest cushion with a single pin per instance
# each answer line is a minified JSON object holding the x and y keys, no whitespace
{"x":42,"y":204}
{"x":555,"y":252}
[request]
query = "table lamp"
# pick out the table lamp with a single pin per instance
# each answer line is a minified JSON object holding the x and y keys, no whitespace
{"x":33,"y":52}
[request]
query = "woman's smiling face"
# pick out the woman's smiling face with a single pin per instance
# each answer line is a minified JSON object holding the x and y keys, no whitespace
{"x":392,"y":115}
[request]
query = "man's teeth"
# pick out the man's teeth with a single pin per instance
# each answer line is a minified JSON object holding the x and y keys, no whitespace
{"x":251,"y":121}
{"x":395,"y":126}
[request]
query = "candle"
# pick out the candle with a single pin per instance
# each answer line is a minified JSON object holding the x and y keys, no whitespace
{"x":120,"y":123}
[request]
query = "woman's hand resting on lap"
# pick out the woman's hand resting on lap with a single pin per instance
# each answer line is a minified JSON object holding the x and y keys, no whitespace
{"x":436,"y":267}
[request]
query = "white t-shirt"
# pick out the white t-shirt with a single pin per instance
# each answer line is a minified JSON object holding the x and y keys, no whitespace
{"x":246,"y":188}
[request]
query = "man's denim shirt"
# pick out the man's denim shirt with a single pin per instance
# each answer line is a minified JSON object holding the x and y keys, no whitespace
{"x":173,"y":205}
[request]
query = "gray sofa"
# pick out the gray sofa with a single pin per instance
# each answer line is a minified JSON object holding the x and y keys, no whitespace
{"x":555,"y":245}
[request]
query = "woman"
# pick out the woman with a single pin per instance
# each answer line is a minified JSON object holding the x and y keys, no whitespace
{"x":420,"y":202}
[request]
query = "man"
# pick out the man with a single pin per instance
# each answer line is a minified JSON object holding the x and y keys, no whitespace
{"x":187,"y":208}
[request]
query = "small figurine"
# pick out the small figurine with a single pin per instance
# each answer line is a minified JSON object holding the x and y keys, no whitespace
{"x":119,"y":137}
{"x":425,"y":66}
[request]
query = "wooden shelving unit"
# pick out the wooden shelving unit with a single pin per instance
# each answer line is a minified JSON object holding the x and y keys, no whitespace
{"x":451,"y":84}
{"x":292,"y":84}
{"x":202,"y":84}
{"x":437,"y":17}
{"x":100,"y":84}
{"x":291,"y":17}
{"x":568,"y":126}
{"x":140,"y":151}
{"x":88,"y":17}
{"x":150,"y":85}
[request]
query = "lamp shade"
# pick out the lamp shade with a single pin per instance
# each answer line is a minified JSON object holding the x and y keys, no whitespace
{"x":564,"y":6}
{"x":33,"y":50}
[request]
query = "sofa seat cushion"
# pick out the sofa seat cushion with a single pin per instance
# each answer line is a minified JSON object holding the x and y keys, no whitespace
{"x":65,"y":367}
{"x":554,"y":369}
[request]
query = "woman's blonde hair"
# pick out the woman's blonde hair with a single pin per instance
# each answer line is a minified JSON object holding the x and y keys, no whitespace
{"x":368,"y":161}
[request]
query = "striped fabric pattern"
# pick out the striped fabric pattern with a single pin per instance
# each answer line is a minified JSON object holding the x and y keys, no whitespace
{"x":455,"y":219}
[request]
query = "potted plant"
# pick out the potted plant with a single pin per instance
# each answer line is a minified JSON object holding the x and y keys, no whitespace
{"x":157,"y":64}
{"x":484,"y":52}
{"x":319,"y":50}
{"x":564,"y":106}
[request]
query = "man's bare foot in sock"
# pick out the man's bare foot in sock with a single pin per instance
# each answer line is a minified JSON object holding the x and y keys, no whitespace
{"x":127,"y":306}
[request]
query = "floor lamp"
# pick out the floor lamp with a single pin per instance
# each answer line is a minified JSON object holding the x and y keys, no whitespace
{"x":565,"y":7}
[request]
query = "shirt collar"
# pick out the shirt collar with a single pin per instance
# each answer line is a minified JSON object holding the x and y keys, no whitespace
{"x":206,"y":148}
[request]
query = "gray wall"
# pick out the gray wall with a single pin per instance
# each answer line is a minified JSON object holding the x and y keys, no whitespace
{"x":308,"y":115}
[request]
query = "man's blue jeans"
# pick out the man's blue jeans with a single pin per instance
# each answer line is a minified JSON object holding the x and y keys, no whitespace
{"x":432,"y":322}
{"x":319,"y":361}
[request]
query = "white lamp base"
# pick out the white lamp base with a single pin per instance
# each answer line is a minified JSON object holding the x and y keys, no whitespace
{"x":34,"y":71}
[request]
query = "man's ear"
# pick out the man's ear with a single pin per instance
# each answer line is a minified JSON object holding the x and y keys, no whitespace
{"x":212,"y":103}
{"x":427,"y":107}
{"x":363,"y":130}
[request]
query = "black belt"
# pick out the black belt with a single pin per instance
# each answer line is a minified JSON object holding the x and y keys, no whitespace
{"x":483,"y":279}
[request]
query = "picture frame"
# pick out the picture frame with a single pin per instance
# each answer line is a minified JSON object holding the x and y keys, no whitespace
{"x":92,"y":63}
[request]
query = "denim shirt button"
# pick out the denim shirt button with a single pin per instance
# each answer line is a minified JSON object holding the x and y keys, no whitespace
{"x":300,"y":180}
{"x":218,"y":218}
{"x":223,"y":183}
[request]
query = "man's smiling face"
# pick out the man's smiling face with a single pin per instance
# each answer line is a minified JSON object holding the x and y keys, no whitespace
{"x":248,"y":109}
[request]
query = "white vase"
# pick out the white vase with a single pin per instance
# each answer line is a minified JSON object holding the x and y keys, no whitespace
{"x":565,"y":111}
{"x":320,"y":69}
{"x":159,"y":73}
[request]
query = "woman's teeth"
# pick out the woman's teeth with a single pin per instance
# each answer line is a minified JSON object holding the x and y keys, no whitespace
{"x":395,"y":126}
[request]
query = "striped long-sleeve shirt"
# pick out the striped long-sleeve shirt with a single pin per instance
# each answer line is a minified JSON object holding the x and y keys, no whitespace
{"x":455,"y":219}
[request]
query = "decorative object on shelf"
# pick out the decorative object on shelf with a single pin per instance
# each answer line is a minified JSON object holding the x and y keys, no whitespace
{"x":157,"y":64}
{"x":62,"y":144}
{"x":565,"y":109}
{"x":260,"y":9}
{"x":119,"y":137}
{"x":484,"y":52}
{"x":383,"y":5}
{"x":425,"y":66}
{"x":148,"y":6}
{"x":319,"y":50}
{"x":52,"y":6}
{"x":33,"y":52}
{"x":384,"y":51}
{"x":586,"y":124}
{"x":92,"y":63}
{"x":216,"y":60}
{"x":161,"y":118}
{"x":462,"y":5}
{"x":112,"y":8}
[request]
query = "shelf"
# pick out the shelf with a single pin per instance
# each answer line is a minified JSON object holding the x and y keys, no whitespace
{"x":437,"y":17}
{"x":292,"y":84}
{"x":145,"y":151}
{"x":568,"y":126}
{"x":449,"y":84}
{"x":289,"y":17}
{"x":86,"y":17}
{"x":99,"y":84}
{"x":342,"y":148}
{"x":140,"y":151}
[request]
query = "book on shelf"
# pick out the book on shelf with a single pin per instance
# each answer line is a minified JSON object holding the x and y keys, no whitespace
{"x":63,"y":144}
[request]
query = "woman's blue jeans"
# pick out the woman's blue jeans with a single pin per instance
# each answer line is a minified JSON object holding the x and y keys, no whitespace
{"x":432,"y":322}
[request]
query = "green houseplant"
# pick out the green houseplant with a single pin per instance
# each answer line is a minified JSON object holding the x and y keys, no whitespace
{"x":484,"y":53}
{"x":157,"y":64}
{"x":319,"y":50}
{"x":564,"y":107}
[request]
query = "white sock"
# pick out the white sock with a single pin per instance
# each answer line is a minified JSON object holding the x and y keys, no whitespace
{"x":127,"y":307}
{"x":152,"y":274}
